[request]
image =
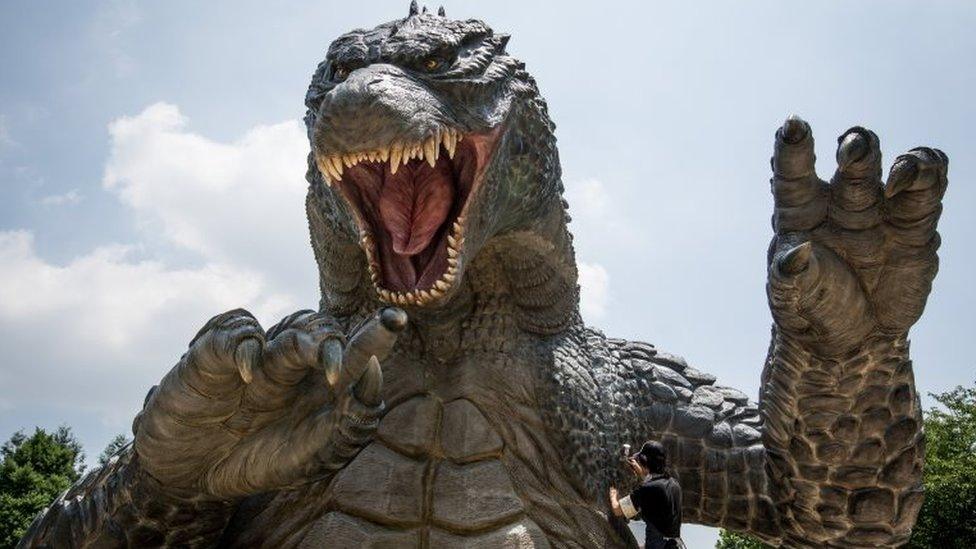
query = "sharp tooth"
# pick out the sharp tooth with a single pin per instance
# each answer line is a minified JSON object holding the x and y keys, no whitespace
{"x":396,"y":153}
{"x":449,"y":277}
{"x":384,"y":154}
{"x":452,"y":241}
{"x":452,"y":262}
{"x":449,"y":142}
{"x":430,"y":151}
{"x":457,"y":227}
{"x":330,"y":169}
{"x":426,"y":295}
{"x":441,"y":285}
{"x":451,"y":252}
{"x":348,"y":160}
{"x":324,"y":171}
{"x":336,"y":165}
{"x":418,"y":151}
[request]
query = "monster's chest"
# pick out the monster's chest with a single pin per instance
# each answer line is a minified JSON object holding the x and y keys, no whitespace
{"x":440,"y":470}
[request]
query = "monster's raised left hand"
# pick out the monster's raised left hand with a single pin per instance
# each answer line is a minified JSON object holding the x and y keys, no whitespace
{"x":246,"y":411}
{"x":854,"y":257}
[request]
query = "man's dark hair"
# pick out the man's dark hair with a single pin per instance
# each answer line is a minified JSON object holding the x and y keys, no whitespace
{"x":653,"y":456}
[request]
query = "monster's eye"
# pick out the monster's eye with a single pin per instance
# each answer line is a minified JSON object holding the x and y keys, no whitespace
{"x":340,"y":72}
{"x":432,"y":64}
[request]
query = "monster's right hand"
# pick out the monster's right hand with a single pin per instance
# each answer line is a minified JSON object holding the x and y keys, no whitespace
{"x":245,"y":411}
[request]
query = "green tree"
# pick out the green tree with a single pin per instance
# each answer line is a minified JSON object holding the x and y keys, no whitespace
{"x":734,"y":540}
{"x":948,"y":516}
{"x":114,"y":445}
{"x":33,"y":472}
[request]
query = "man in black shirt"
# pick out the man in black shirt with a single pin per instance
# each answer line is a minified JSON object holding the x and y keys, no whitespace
{"x":657,"y":500}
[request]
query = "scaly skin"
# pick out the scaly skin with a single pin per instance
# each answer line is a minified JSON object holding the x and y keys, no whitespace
{"x":503,"y":412}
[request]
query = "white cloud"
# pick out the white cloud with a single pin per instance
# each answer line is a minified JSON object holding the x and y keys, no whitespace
{"x":90,"y":334}
{"x":112,"y":299}
{"x":595,"y":212}
{"x":600,"y":232}
{"x":242,"y":203}
{"x":594,"y":289}
{"x":70,"y":197}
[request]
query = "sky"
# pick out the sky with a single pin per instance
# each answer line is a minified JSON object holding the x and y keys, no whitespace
{"x":152,"y":166}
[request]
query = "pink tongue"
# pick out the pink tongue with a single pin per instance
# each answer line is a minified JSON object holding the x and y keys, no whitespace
{"x":414,"y":203}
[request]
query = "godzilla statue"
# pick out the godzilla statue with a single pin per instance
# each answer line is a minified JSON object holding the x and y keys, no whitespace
{"x":435,"y":193}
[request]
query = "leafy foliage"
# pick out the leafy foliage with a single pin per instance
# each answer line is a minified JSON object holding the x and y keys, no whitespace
{"x":113,"y":448}
{"x":734,"y":540}
{"x":948,"y":516}
{"x":34,"y":471}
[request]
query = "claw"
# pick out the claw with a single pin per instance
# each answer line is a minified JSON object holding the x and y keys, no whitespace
{"x":247,"y":355}
{"x":902,"y":176}
{"x":796,"y":259}
{"x":367,"y":390}
{"x":853,"y":146}
{"x":794,"y":129}
{"x":330,"y":358}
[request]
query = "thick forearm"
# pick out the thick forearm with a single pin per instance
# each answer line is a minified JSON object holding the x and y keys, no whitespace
{"x":120,"y":505}
{"x":844,"y":442}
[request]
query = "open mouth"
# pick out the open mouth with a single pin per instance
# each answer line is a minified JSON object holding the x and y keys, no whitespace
{"x":411,"y":201}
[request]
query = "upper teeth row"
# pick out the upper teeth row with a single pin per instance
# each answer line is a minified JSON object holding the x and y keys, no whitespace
{"x":398,"y":153}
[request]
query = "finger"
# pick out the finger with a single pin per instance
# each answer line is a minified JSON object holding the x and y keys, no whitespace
{"x":206,"y":384}
{"x":855,"y":203}
{"x":295,"y":349}
{"x":221,"y":351}
{"x":374,"y":339}
{"x":916,"y":185}
{"x":815,"y":297}
{"x":799,"y":195}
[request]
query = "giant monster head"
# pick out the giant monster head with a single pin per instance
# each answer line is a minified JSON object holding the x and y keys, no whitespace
{"x":429,"y":142}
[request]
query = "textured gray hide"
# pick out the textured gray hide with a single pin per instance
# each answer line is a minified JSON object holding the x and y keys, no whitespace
{"x":497,"y":415}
